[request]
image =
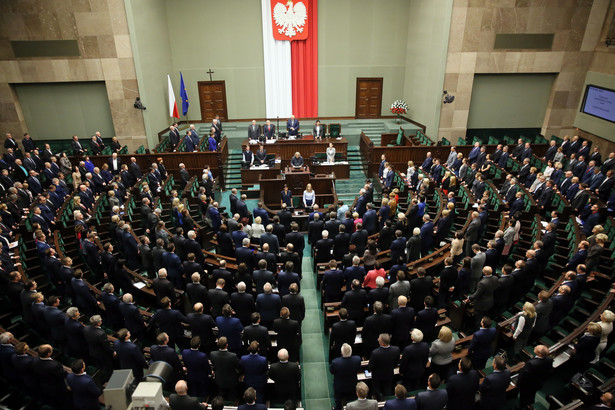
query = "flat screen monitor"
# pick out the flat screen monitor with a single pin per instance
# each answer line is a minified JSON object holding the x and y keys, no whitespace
{"x":599,"y":102}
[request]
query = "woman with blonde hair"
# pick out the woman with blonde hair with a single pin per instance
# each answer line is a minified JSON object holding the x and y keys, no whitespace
{"x":257,"y":227}
{"x":526,"y":320}
{"x":309,"y":196}
{"x":441,"y":353}
{"x":585,"y":348}
{"x":606,"y":323}
{"x":76,"y":177}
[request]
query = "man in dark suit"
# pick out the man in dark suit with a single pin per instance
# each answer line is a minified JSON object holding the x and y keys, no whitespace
{"x":202,"y":325}
{"x":197,"y":367}
{"x":269,"y":130}
{"x":493,"y":388}
{"x":344,"y":370}
{"x":427,"y":318}
{"x":432,"y":398}
{"x":483,"y":297}
{"x":163,"y":352}
{"x":370,"y":218}
{"x":462,"y":387}
{"x":373,"y":327}
{"x":231,"y":328}
{"x":181,"y":401}
{"x":170,"y":321}
{"x":533,"y":375}
{"x":254,"y":367}
{"x":295,"y":303}
{"x":258,"y":333}
{"x":315,"y":229}
{"x":55,"y":319}
{"x":196,"y":291}
{"x":292,"y":126}
{"x":78,"y":149}
{"x":414,"y":360}
{"x":262,"y":276}
{"x":420,"y":288}
{"x":163,"y":287}
{"x":174,"y":137}
{"x":51,"y":377}
{"x":296,"y":239}
{"x":359,"y":239}
{"x":481,"y":347}
{"x":218,"y":298}
{"x":226,"y":366}
{"x":130,"y":354}
{"x":472,"y":232}
{"x":245,"y":254}
{"x":269,"y":305}
{"x":343,"y":331}
{"x":382,"y":363}
{"x":286,"y":376}
{"x":77,"y":345}
{"x":84,"y":299}
{"x":403,"y":321}
{"x":132,"y":316}
{"x":332,"y":283}
{"x":99,"y":346}
{"x":355,"y":301}
{"x":243,"y":304}
{"x":289,"y":334}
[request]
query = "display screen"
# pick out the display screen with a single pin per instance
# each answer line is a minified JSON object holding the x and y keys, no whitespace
{"x":599,"y":102}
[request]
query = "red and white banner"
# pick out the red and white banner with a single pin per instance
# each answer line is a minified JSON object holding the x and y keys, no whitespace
{"x":291,"y":73}
{"x":173,"y":112}
{"x":290,"y":19}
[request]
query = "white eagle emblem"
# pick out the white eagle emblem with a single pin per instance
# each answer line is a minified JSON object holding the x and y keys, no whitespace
{"x":290,"y":20}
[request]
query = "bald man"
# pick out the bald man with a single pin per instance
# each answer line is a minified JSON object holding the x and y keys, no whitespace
{"x":181,"y":401}
{"x":533,"y":374}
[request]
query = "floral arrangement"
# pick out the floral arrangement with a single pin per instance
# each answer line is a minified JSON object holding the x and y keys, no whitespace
{"x":399,"y":107}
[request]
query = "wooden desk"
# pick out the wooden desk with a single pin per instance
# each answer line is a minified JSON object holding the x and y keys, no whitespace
{"x":306,"y":146}
{"x":251,"y":176}
{"x":341,"y":171}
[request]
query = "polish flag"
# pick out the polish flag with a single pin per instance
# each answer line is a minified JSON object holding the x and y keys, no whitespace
{"x":173,"y":111}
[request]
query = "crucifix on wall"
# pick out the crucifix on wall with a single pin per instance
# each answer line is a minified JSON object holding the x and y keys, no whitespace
{"x":210,"y":73}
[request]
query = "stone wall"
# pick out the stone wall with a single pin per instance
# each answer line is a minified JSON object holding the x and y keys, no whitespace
{"x":101,"y":30}
{"x":470,"y":51}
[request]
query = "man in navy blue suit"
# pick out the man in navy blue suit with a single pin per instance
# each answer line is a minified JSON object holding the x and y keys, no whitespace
{"x":432,"y":398}
{"x":254,"y":368}
{"x":269,"y":305}
{"x":292,"y":126}
{"x":414,"y":360}
{"x":84,"y":299}
{"x":493,"y":388}
{"x":163,"y":352}
{"x":426,"y":235}
{"x":382,"y":363}
{"x":230,"y":327}
{"x":400,"y":402}
{"x":481,"y":347}
{"x":344,"y":370}
{"x":249,"y":396}
{"x":130,"y":354}
{"x":533,"y":375}
{"x":380,"y":172}
{"x":170,"y":321}
{"x":462,"y":387}
{"x":369,"y":219}
{"x":85,"y":392}
{"x":132,"y":316}
{"x":197,"y":367}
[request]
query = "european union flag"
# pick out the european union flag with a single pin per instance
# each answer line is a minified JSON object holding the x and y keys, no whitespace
{"x":184,"y":95}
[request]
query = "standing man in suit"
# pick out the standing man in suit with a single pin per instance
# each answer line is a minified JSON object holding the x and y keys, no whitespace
{"x":472,"y":232}
{"x":78,"y":149}
{"x":344,"y":370}
{"x":432,"y":398}
{"x":292,"y":126}
{"x":180,"y":399}
{"x":483,"y":297}
{"x":462,"y":387}
{"x":477,"y":264}
{"x":493,"y":388}
{"x":255,"y":368}
{"x":84,"y":391}
{"x":253,"y":131}
{"x":130,"y":354}
{"x":533,"y":375}
{"x":382,"y":363}
{"x":362,"y":402}
{"x":174,"y":137}
{"x":481,"y":347}
{"x":225,"y":367}
{"x":318,"y":131}
{"x":269,"y":130}
{"x":99,"y":346}
{"x":286,"y":376}
{"x":197,"y":367}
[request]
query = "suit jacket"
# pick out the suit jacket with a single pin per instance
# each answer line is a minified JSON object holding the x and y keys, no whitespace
{"x":202,"y":325}
{"x":131,"y":357}
{"x":269,"y":306}
{"x":163,"y":287}
{"x":197,"y":365}
{"x":218,"y":298}
{"x":534,"y":373}
{"x":431,"y":399}
{"x":185,"y":402}
{"x":231,"y":328}
{"x":225,"y":367}
{"x":98,"y":344}
{"x":257,"y":333}
{"x":367,"y":404}
{"x":483,"y":297}
{"x":244,"y":305}
{"x":344,"y":370}
{"x":132,"y":318}
{"x":269,"y":131}
{"x":287,"y":377}
{"x":481,"y":346}
{"x":342,"y":332}
{"x":493,"y":389}
{"x":373,"y":326}
{"x":169,"y":321}
{"x":255,"y":370}
{"x":461,"y":389}
{"x":419,"y":289}
{"x":382,"y":363}
{"x":167,"y":354}
{"x":51,"y":376}
{"x":403,"y":320}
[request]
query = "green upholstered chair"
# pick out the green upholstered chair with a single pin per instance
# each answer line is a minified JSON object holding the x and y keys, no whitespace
{"x":335,"y":130}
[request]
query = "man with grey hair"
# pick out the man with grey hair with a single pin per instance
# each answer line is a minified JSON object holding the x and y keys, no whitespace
{"x":196,"y":291}
{"x":344,"y":370}
{"x":269,"y":305}
{"x":191,"y":245}
{"x":132,"y":316}
{"x":286,"y":376}
{"x":7,"y":350}
{"x":362,"y":402}
{"x":243,"y":304}
{"x":382,"y":363}
{"x":414,"y":360}
{"x":99,"y":346}
{"x":413,"y":247}
{"x":269,"y":238}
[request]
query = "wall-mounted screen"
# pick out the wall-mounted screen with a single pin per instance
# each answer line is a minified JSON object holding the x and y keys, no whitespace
{"x":599,"y":102}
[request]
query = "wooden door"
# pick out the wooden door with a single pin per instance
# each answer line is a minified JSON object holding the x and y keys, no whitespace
{"x":369,"y":98}
{"x":212,"y":96}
